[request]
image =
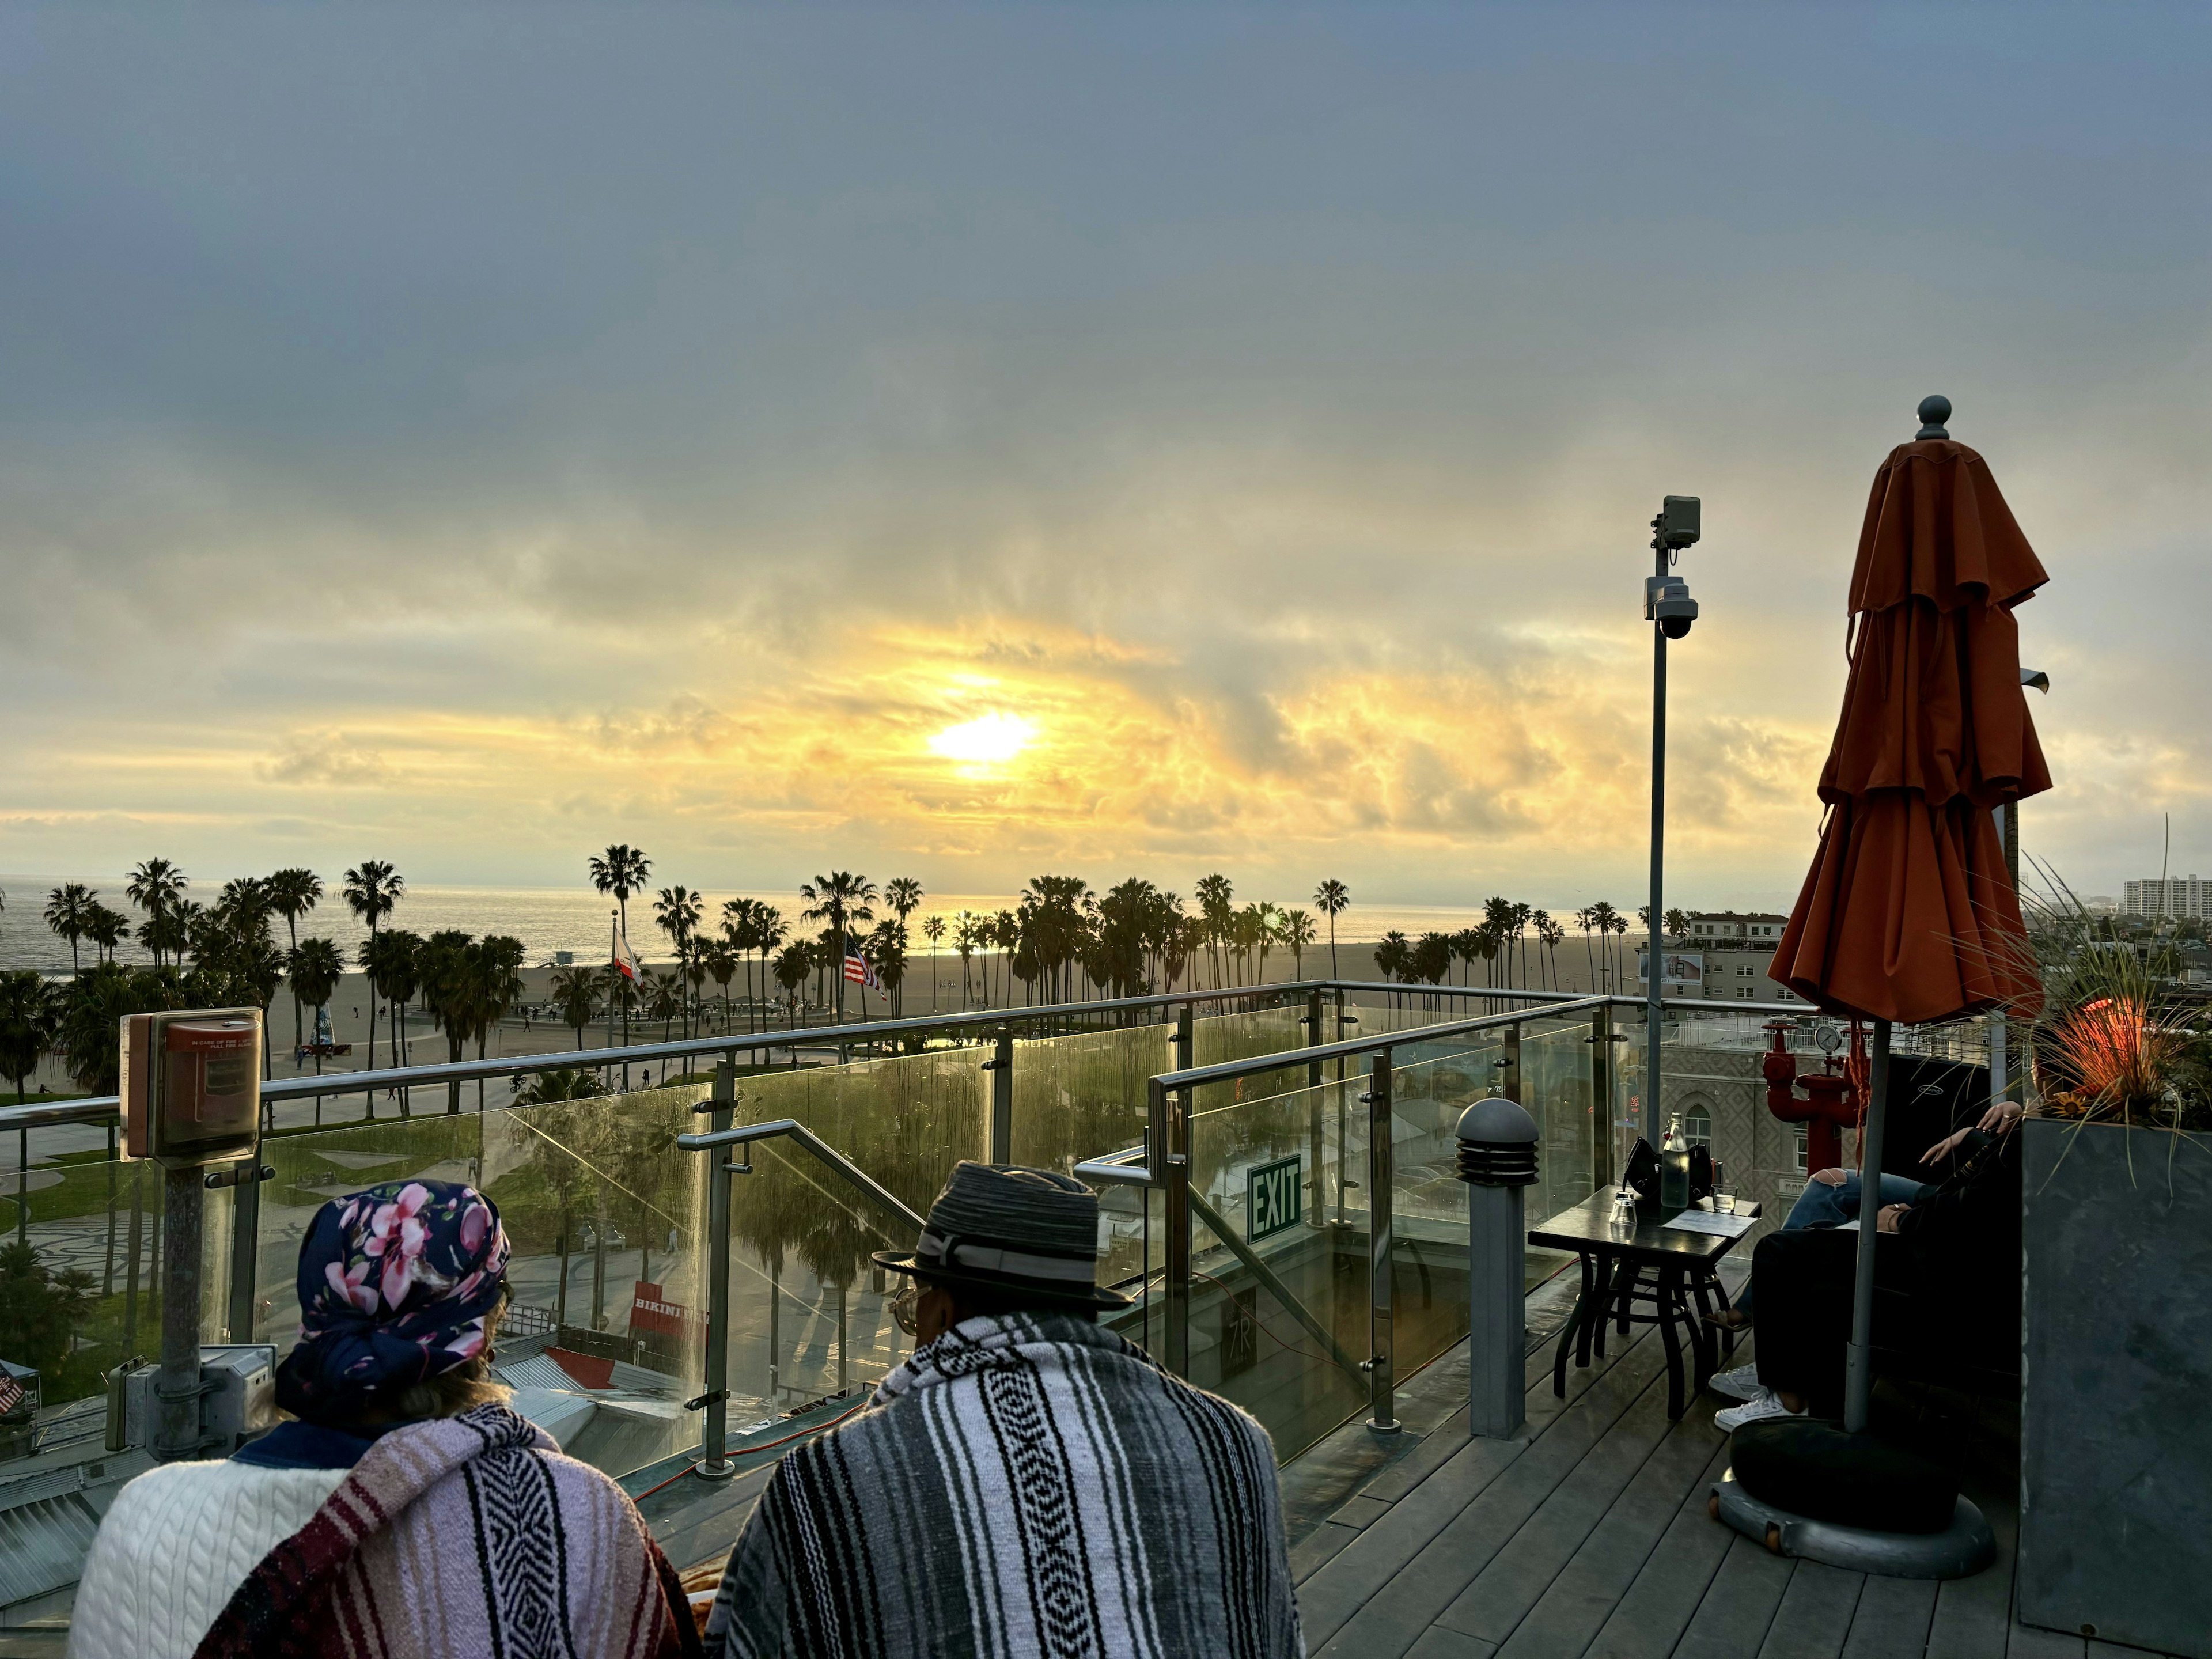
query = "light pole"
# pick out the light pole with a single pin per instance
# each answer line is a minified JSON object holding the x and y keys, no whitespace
{"x":1670,"y":609}
{"x":2008,"y":818}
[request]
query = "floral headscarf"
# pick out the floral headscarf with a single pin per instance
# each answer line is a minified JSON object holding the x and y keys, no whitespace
{"x":395,"y":1285}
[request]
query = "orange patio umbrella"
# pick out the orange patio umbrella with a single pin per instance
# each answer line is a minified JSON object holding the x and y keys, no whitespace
{"x":1908,"y":913}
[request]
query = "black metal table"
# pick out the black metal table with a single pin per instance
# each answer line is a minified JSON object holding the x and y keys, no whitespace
{"x":1623,"y":1265}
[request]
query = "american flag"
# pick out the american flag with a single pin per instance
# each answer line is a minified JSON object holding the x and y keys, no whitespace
{"x":11,"y":1394}
{"x":859,"y":968}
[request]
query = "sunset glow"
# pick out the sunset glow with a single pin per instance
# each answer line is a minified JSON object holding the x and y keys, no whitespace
{"x":989,"y":740}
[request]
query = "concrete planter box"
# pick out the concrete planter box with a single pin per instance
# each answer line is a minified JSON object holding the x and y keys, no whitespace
{"x":2116,"y":1395}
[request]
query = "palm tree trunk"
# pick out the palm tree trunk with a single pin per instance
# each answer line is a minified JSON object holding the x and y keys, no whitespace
{"x":560,"y":1295}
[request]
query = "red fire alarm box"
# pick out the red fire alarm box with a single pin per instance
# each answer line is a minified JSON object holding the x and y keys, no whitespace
{"x":191,"y":1086}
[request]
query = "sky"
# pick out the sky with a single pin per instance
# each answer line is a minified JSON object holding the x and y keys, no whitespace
{"x":976,"y":442}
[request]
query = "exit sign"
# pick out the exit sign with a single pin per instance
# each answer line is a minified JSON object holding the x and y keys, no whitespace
{"x":1273,"y":1196}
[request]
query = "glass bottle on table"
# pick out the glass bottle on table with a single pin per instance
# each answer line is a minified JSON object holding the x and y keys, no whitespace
{"x":1674,"y":1167}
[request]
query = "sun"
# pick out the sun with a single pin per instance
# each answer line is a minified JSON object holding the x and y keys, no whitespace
{"x":987,"y":740}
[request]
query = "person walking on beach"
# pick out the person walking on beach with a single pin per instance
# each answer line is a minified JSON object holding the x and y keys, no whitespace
{"x":1025,"y":1483}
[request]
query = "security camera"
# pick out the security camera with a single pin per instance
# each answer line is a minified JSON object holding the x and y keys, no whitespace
{"x":1667,"y":601}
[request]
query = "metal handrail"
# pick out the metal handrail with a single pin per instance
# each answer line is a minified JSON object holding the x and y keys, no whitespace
{"x":746,"y":1134}
{"x":98,"y":1109}
{"x":1227,"y":1071}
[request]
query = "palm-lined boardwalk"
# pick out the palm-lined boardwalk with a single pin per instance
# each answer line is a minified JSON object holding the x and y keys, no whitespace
{"x":1588,"y":1536}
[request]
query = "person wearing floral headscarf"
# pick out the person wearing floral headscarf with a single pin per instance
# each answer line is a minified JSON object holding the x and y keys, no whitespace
{"x":404,"y":1510}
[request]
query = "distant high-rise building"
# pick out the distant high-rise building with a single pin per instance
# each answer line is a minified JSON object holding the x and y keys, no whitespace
{"x":2171,"y":897}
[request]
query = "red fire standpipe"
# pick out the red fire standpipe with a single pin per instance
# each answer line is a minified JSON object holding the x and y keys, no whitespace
{"x":1828,"y":1106}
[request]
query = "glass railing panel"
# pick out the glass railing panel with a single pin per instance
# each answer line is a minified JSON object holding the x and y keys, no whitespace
{"x":1079,"y":1096}
{"x":906,"y":1121}
{"x":1247,"y":1034}
{"x":810,"y":1313}
{"x":81,"y":1274}
{"x":1279,"y":1303}
{"x":1555,"y":1087}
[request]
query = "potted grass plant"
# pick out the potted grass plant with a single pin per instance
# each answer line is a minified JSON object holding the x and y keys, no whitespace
{"x":2116,"y":1455}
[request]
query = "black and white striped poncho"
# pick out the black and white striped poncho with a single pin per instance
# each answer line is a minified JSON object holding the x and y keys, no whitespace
{"x":1024,"y":1485}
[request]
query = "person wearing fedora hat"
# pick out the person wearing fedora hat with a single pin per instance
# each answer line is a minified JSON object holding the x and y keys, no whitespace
{"x":1026,"y":1482}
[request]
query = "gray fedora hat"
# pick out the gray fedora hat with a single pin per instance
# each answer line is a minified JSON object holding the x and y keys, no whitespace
{"x":1000,"y":1227}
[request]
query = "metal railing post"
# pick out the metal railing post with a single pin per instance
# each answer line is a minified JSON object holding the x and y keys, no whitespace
{"x":1001,"y":1066}
{"x":177,"y":1385}
{"x":1342,"y":1020}
{"x":1173,"y":1168}
{"x":1508,"y":1058}
{"x":245,"y":1251}
{"x":715,"y":1462}
{"x":1185,"y":1042}
{"x":1382,"y":1377}
{"x":1601,"y":1098}
{"x":1317,"y":1143}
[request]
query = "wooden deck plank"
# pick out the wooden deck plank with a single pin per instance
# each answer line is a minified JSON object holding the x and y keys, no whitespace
{"x":1427,"y":1575}
{"x":1973,"y":1615}
{"x":1504,"y":1591}
{"x":1815,"y":1616}
{"x":2025,"y":1643}
{"x":1576,"y":1605}
{"x":1656,"y":1609}
{"x":1893,"y":1617}
{"x":1738,"y":1605}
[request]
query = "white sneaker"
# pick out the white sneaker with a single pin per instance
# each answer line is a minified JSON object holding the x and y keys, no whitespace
{"x":1766,"y":1405}
{"x":1741,"y":1383}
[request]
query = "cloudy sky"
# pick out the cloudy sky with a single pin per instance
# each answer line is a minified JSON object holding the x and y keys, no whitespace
{"x":1130,"y":438}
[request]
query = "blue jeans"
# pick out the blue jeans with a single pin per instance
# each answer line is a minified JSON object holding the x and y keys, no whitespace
{"x":1822,"y":1206}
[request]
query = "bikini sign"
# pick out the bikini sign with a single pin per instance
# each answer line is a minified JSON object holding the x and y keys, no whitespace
{"x":650,"y":1310}
{"x":1273,"y":1198}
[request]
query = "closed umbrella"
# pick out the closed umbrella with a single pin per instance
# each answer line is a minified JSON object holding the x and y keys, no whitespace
{"x":1908,"y":913}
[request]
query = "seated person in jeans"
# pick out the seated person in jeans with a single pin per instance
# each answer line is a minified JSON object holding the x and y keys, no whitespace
{"x":1960,"y":1237}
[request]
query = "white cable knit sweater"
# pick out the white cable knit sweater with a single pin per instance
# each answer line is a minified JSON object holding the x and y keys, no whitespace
{"x":177,"y":1542}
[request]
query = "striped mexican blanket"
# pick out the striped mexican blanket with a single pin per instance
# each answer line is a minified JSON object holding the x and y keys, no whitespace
{"x":469,"y":1535}
{"x":1023,"y":1484}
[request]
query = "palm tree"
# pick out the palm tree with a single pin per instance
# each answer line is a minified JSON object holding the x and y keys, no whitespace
{"x":315,"y":966}
{"x":1260,"y":926}
{"x":839,"y":899}
{"x":932,"y":929}
{"x":1297,"y":932}
{"x":676,"y":911}
{"x":576,"y":995}
{"x":719,"y":960}
{"x":1331,"y":898}
{"x":392,"y":961}
{"x":664,"y":997}
{"x":106,"y":929}
{"x":292,"y":893}
{"x":69,"y":910}
{"x":1549,"y":933}
{"x":1213,"y":894}
{"x":770,"y":931}
{"x":903,"y":894}
{"x":29,"y":1012}
{"x":155,"y":887}
{"x":373,"y":891}
{"x":738,"y":918}
{"x":622,"y":870}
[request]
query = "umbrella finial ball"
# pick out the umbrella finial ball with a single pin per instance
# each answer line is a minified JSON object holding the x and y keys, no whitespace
{"x":1934,"y":411}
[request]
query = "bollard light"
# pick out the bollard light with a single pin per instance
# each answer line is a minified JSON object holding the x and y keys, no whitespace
{"x":1497,"y":1159}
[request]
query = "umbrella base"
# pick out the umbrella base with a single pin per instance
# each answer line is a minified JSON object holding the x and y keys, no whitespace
{"x":1960,"y":1550}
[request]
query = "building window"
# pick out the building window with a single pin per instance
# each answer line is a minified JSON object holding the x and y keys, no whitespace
{"x":1800,"y":1139}
{"x":1697,"y":1127}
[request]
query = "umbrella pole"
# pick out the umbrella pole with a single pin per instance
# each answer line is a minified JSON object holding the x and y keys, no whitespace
{"x":1858,"y":1372}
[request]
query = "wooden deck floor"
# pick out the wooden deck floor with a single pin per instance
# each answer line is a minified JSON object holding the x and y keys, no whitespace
{"x":1588,"y":1536}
